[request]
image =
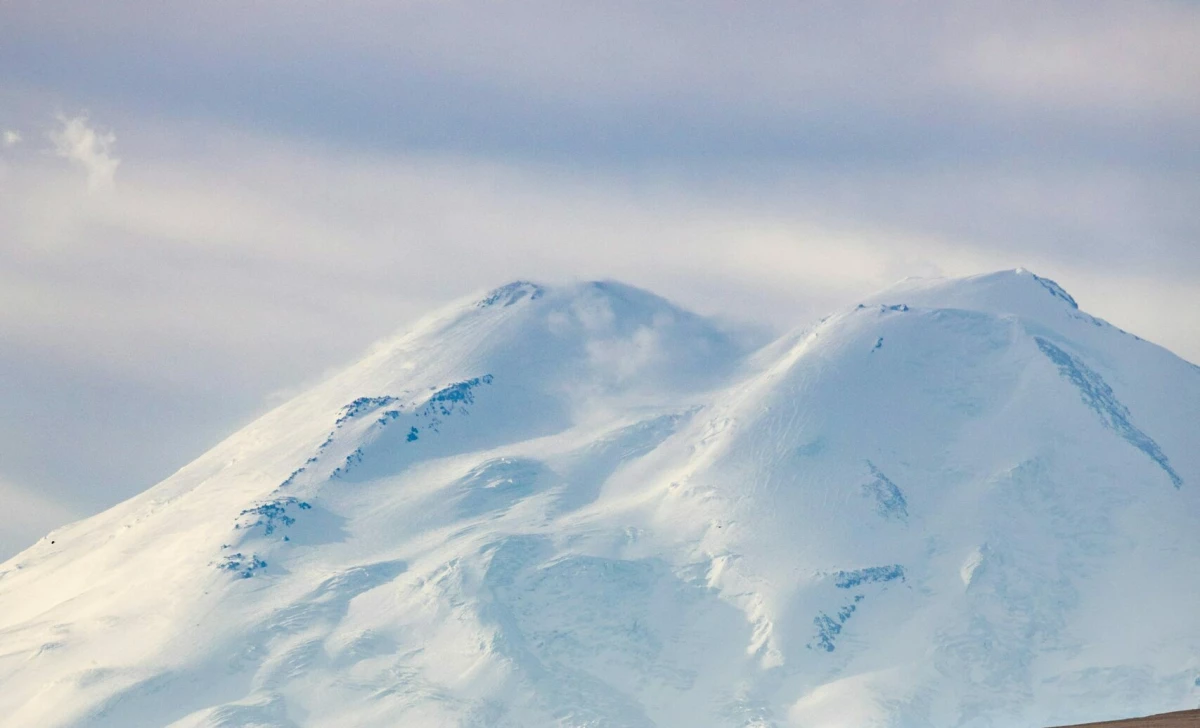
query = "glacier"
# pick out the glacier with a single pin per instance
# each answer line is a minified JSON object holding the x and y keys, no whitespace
{"x":959,"y":502}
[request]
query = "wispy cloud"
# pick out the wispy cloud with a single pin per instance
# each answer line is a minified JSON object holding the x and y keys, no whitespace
{"x":80,"y":143}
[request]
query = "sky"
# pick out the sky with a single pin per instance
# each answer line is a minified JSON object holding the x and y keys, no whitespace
{"x":206,"y":207}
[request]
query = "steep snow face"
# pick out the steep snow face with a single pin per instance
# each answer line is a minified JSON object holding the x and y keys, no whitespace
{"x":960,"y":502}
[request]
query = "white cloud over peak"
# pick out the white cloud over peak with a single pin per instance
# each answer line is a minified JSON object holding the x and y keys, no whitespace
{"x":87,"y":147}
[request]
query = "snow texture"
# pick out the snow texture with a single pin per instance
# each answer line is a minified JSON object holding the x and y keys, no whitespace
{"x":584,"y":506}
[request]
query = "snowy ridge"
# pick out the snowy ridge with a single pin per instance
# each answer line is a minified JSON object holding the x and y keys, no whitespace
{"x":959,"y":503}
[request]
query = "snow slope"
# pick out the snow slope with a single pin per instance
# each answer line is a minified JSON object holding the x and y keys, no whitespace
{"x":960,"y":503}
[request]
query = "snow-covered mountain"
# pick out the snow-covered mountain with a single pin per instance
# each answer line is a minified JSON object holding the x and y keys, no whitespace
{"x":959,"y":503}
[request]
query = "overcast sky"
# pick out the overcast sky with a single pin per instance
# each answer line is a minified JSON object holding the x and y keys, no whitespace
{"x":206,"y":206}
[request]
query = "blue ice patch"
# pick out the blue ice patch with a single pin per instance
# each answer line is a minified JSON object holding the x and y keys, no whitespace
{"x":869,"y":575}
{"x":1098,"y":396}
{"x":241,"y":565}
{"x":445,"y":400}
{"x":829,"y":627}
{"x":1056,"y":290}
{"x":296,"y":474}
{"x":512,"y":293}
{"x":351,"y":460}
{"x":889,"y":499}
{"x":362,"y":405}
{"x":273,"y":514}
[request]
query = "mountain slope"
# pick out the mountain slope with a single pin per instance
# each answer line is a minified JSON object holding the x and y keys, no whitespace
{"x":961,"y":502}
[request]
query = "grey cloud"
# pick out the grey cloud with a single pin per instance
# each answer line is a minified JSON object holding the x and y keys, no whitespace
{"x":868,"y":80}
{"x":1011,"y":124}
{"x":618,"y":52}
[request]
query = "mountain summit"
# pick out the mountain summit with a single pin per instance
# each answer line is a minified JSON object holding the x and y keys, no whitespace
{"x":958,"y":503}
